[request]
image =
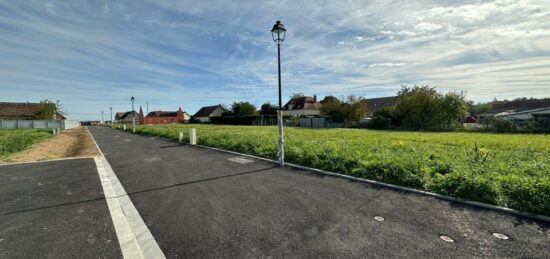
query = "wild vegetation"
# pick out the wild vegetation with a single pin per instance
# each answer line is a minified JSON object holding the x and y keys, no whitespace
{"x":14,"y":140}
{"x":511,"y":170}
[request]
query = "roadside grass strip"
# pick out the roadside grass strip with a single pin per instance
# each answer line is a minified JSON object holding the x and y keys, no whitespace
{"x":507,"y":170}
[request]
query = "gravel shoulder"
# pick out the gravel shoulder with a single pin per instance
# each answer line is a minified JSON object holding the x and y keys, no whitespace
{"x":70,"y":143}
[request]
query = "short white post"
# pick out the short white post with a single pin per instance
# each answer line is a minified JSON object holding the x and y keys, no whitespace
{"x":181,"y":137}
{"x":53,"y":131}
{"x":124,"y":127}
{"x":58,"y":130}
{"x":192,"y":136}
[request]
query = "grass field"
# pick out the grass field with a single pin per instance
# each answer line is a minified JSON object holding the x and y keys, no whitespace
{"x":511,"y":170}
{"x":14,"y":140}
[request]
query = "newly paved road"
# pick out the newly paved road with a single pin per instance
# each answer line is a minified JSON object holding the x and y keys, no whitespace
{"x":55,"y":210}
{"x":198,"y":203}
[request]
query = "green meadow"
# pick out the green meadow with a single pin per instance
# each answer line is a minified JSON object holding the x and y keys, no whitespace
{"x":511,"y":170}
{"x":15,"y":140}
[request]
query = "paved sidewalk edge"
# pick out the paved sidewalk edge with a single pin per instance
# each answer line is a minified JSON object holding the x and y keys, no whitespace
{"x":352,"y":178}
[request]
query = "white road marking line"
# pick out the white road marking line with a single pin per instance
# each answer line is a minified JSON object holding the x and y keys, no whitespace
{"x":135,"y":239}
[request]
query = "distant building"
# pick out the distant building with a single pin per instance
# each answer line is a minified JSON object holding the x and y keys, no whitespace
{"x":162,"y":117}
{"x":542,"y":115}
{"x":516,"y":110}
{"x":518,"y":105}
{"x":126,"y":117}
{"x":375,"y":104}
{"x":23,"y":111}
{"x":302,"y":106}
{"x":204,"y":114}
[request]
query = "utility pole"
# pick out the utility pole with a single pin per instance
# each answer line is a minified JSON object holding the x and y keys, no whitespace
{"x":111,"y":109}
{"x":147,"y":107}
{"x":102,"y":117}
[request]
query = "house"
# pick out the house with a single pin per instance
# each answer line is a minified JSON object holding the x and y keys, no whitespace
{"x":302,"y":106}
{"x":126,"y":117}
{"x":23,"y":111}
{"x":204,"y":114}
{"x":516,"y":110}
{"x":373,"y":105}
{"x":540,"y":114}
{"x":161,"y":117}
{"x":519,"y":105}
{"x":118,"y":116}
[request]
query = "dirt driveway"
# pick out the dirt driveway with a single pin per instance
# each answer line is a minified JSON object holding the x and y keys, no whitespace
{"x":70,"y":143}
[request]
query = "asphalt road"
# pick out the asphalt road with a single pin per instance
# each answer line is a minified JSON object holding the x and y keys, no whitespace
{"x":198,"y":203}
{"x":54,"y":210}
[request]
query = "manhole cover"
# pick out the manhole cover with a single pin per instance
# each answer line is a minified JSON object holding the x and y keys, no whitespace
{"x":378,"y":218}
{"x":446,"y":239}
{"x":500,"y":236}
{"x":240,"y":160}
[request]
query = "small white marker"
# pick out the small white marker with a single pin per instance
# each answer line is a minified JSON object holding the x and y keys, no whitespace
{"x":378,"y":218}
{"x":500,"y":236}
{"x":446,"y":238}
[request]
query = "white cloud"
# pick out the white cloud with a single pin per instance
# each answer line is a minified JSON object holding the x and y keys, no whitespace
{"x":193,"y":53}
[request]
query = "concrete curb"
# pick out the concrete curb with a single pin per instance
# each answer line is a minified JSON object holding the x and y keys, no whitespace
{"x":387,"y":185}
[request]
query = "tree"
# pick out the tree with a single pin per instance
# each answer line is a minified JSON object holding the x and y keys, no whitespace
{"x":353,"y":110}
{"x":328,"y":99}
{"x":243,"y":109}
{"x":348,"y":110}
{"x":423,"y":107}
{"x":479,"y":108}
{"x":48,"y":110}
{"x":296,"y":95}
{"x":332,"y":107}
{"x":268,"y":109}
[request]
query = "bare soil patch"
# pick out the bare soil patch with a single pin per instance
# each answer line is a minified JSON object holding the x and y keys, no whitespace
{"x":70,"y":143}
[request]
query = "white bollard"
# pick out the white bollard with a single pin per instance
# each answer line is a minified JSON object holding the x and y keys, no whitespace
{"x":58,"y":130}
{"x":53,"y":131}
{"x":124,"y":127}
{"x":181,"y":137}
{"x":192,"y":136}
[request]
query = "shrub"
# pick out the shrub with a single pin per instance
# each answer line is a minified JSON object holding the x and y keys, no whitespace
{"x":464,"y":186}
{"x":394,"y":173}
{"x":526,"y":193}
{"x":379,"y":122}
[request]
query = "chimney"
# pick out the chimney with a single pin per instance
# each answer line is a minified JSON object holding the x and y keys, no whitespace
{"x":315,"y":98}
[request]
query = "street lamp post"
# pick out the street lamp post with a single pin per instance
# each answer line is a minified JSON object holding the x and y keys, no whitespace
{"x":102,"y":120}
{"x":133,"y":115}
{"x":111,"y":109}
{"x":278,"y":32}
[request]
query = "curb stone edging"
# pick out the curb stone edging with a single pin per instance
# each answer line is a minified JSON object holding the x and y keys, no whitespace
{"x":387,"y":185}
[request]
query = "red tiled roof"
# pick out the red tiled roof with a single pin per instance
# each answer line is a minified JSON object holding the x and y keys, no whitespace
{"x":163,"y":114}
{"x":18,"y":109}
{"x":302,"y":103}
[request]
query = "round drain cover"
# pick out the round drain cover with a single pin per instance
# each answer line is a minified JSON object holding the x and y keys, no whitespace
{"x":378,"y":218}
{"x":446,"y":239}
{"x":500,"y":236}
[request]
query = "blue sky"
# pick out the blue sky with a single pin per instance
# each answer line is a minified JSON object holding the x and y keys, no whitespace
{"x":91,"y":55}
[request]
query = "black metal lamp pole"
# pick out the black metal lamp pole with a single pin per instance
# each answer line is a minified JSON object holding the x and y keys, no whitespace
{"x":278,"y":32}
{"x":133,"y":115}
